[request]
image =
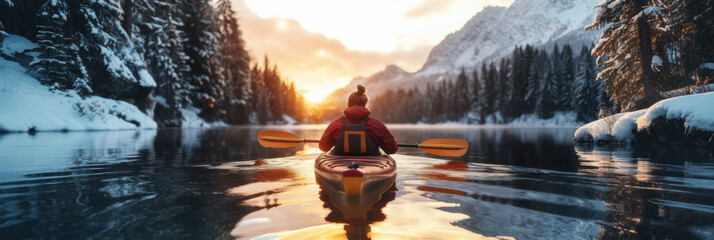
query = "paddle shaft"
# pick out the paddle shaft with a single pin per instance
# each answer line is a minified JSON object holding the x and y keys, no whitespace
{"x":414,"y":145}
{"x":441,"y":146}
{"x":277,"y":139}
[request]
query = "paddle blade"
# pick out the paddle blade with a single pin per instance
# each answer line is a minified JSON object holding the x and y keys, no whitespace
{"x":445,"y":147}
{"x":278,"y":139}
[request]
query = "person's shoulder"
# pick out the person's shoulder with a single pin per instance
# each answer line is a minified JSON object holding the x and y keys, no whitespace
{"x":337,"y":121}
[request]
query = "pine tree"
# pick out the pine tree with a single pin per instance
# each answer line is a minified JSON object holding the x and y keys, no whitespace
{"x":490,"y":89}
{"x":476,"y":93}
{"x":462,"y":94}
{"x":167,"y":63}
{"x":52,"y":63}
{"x":535,"y":75}
{"x":438,"y":103}
{"x":235,"y":60}
{"x":485,"y":110}
{"x":585,"y":94}
{"x":545,"y":105}
{"x":626,"y":52}
{"x":502,"y":85}
{"x":3,"y":34}
{"x":518,"y":85}
{"x":565,"y":77}
{"x":274,"y":93}
{"x":114,"y":67}
{"x":205,"y":67}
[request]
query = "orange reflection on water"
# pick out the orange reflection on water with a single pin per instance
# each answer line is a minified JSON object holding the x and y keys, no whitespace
{"x":308,"y":149}
{"x":441,"y":190}
{"x":443,"y":177}
{"x":297,"y":208}
{"x":453,"y":166}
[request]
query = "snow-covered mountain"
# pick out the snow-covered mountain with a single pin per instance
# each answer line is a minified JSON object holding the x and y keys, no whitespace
{"x":490,"y":35}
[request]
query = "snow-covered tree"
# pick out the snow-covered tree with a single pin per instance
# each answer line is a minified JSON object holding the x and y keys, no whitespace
{"x":167,"y":63}
{"x":586,"y":89}
{"x":625,"y":49}
{"x":462,"y":94}
{"x":545,"y":103}
{"x":3,"y":34}
{"x":205,"y":66}
{"x":535,"y":75}
{"x":115,"y":69}
{"x":52,"y":63}
{"x":235,"y":60}
{"x":476,"y":91}
{"x":565,"y":76}
{"x":502,"y":84}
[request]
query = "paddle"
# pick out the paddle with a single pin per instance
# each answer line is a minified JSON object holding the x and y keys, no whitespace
{"x":442,"y":147}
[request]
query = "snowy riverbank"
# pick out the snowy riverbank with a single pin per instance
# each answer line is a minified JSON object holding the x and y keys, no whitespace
{"x":27,"y":105}
{"x":685,"y":120}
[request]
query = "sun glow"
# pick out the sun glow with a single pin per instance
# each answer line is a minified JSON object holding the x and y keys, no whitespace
{"x":323,"y":44}
{"x":314,"y":96}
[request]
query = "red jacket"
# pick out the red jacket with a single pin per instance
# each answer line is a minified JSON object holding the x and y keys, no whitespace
{"x":375,"y":129}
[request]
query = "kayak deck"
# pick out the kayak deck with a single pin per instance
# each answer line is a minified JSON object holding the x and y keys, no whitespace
{"x":365,"y":171}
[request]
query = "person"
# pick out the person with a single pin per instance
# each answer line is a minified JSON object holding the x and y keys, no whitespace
{"x":347,"y":133}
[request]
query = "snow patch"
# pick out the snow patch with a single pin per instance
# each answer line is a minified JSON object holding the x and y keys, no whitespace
{"x":559,"y":119}
{"x":656,"y":63}
{"x":190,"y":119}
{"x":16,"y":44}
{"x":145,"y":79}
{"x":26,"y":104}
{"x":616,"y":127}
{"x":695,"y":110}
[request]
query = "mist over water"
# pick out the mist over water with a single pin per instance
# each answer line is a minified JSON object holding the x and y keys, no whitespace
{"x":524,"y":183}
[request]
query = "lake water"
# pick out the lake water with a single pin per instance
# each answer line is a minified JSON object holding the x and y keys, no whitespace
{"x":522,"y":183}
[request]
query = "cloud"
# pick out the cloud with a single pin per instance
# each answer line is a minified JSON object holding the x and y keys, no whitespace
{"x":429,"y":8}
{"x":314,"y":61}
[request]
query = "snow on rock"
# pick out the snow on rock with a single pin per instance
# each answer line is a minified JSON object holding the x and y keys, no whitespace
{"x":288,"y":120}
{"x":652,"y":10}
{"x":16,"y":44}
{"x":190,"y":119}
{"x":696,"y":111}
{"x":26,"y":104}
{"x":145,"y":79}
{"x":619,"y":126}
{"x":656,"y":63}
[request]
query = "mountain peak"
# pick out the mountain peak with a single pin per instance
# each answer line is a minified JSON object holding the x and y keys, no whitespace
{"x":393,"y":69}
{"x":490,"y":35}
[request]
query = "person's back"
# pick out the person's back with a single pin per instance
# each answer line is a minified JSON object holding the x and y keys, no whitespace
{"x":356,"y":133}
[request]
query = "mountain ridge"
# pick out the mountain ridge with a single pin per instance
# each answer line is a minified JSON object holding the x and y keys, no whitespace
{"x":488,"y":36}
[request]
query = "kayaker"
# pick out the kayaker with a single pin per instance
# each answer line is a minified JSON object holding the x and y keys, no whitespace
{"x":357,"y":121}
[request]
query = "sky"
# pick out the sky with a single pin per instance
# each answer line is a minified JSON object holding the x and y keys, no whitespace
{"x":323,"y":44}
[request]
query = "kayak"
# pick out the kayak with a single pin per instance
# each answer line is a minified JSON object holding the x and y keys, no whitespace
{"x":355,"y":175}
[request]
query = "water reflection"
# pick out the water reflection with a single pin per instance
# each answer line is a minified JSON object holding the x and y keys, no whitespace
{"x":357,"y":212}
{"x":653,"y":193}
{"x":524,"y":183}
{"x":545,"y":148}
